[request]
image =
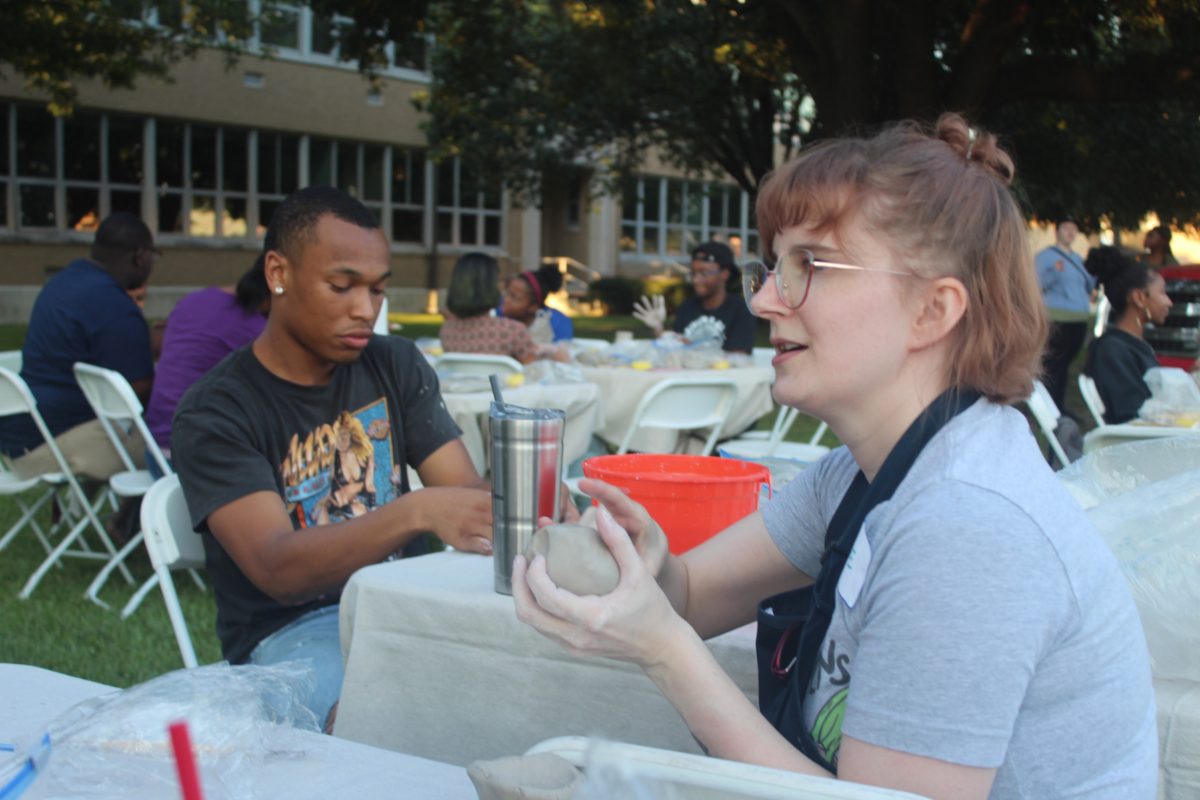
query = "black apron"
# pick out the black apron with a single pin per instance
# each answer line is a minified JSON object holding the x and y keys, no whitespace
{"x":792,"y":625}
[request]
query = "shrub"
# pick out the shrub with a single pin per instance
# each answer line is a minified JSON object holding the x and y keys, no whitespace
{"x":616,"y":294}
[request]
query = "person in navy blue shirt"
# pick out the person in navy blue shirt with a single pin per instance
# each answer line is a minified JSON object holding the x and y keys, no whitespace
{"x":84,"y":313}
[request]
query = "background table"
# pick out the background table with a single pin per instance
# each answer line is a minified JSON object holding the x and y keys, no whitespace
{"x":316,"y":766}
{"x":438,"y":665}
{"x":1108,"y":435}
{"x":581,"y":401}
{"x":623,"y":387}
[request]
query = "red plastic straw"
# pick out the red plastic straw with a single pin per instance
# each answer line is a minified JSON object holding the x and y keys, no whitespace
{"x":185,"y":761}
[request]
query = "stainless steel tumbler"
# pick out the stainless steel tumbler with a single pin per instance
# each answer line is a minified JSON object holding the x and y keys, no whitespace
{"x":526,"y":478}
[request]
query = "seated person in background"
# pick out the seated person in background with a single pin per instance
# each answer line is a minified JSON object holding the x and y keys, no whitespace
{"x":292,"y":452}
{"x":1157,"y":248}
{"x":470,"y":327}
{"x":85,"y":313}
{"x":715,"y":280}
{"x":204,"y":327}
{"x":525,"y":301}
{"x":138,"y":295}
{"x":1118,"y":360}
{"x":971,"y":636}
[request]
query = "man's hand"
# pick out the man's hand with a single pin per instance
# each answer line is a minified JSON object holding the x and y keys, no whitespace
{"x":652,"y":312}
{"x":462,"y":518}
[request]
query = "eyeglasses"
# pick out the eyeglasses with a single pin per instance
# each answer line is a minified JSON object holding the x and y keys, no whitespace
{"x":793,"y":276}
{"x":697,"y":274}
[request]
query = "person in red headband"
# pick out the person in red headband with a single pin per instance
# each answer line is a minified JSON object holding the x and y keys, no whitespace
{"x":525,"y":301}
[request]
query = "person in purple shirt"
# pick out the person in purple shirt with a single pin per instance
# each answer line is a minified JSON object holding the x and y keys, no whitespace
{"x":204,"y":327}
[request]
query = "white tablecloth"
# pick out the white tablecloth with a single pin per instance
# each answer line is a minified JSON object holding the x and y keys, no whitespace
{"x":581,"y":401}
{"x":1108,"y":435}
{"x":438,"y":665}
{"x":623,"y":387}
{"x":315,"y":766}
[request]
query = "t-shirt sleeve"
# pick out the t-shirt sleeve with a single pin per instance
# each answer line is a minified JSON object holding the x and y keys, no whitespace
{"x":945,"y":610}
{"x":123,"y":344}
{"x":797,"y":516}
{"x":213,"y":451}
{"x":427,"y":422}
{"x":1048,"y":277}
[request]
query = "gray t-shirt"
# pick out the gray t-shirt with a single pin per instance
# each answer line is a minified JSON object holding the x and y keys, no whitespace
{"x":980,"y":620}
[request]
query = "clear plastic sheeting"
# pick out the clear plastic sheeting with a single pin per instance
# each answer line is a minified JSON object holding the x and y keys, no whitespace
{"x":669,"y":351}
{"x":117,"y":745}
{"x":1154,"y":531}
{"x":1112,"y":471}
{"x":1174,"y":398}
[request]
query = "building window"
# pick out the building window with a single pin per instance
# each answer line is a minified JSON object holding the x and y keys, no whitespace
{"x":469,"y":212}
{"x":212,"y":182}
{"x":668,"y":217}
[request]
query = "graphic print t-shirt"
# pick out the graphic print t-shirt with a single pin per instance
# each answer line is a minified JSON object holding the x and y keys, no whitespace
{"x":332,"y":453}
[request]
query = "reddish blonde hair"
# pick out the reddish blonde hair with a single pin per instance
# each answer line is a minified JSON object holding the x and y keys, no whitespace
{"x":940,"y":200}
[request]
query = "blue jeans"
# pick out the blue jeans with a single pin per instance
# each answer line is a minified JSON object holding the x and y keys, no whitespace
{"x":312,"y":637}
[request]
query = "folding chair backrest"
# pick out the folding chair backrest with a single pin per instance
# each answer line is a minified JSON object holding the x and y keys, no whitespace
{"x":381,"y":321}
{"x":11,"y":360}
{"x":1091,"y":398}
{"x":1046,"y":414}
{"x":115,"y":403}
{"x":168,"y":526}
{"x":685,"y":404}
{"x":15,"y":398}
{"x":478,"y":364}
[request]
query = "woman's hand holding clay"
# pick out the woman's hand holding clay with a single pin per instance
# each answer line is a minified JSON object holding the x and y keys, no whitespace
{"x":633,"y":622}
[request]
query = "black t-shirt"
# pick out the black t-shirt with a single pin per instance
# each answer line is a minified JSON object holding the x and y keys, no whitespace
{"x":739,"y":322}
{"x":332,"y":452}
{"x":1117,"y":362}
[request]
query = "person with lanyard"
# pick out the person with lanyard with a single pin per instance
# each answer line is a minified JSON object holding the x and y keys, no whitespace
{"x":935,"y":612}
{"x":1067,"y":288}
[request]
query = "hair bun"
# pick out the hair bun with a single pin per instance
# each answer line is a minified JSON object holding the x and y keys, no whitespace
{"x":976,"y":146}
{"x":1106,"y":262}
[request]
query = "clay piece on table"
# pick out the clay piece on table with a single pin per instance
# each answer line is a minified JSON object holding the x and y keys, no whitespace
{"x":543,"y":776}
{"x":576,"y":558}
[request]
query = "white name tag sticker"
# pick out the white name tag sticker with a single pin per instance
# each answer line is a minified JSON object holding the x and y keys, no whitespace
{"x":855,"y":572}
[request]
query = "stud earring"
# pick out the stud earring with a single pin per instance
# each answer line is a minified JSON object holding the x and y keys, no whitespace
{"x":278,"y":290}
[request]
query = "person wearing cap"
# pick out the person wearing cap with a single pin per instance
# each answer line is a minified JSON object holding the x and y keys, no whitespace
{"x":713,"y":271}
{"x":1067,"y":289}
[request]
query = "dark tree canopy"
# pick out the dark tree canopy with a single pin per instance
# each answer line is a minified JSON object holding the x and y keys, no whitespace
{"x":1099,"y":100}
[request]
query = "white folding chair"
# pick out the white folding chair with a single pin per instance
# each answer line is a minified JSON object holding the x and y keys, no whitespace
{"x":11,"y":360}
{"x":478,"y":364}
{"x":1046,"y":414}
{"x":684,"y":404}
{"x":381,"y":321}
{"x":1091,"y":398}
{"x":15,"y":398}
{"x":172,"y":544}
{"x":117,"y":406}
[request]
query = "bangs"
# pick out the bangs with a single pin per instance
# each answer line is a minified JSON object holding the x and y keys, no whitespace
{"x":820,"y":190}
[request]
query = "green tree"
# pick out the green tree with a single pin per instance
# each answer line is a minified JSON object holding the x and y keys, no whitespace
{"x":54,"y":44}
{"x":1098,"y":99}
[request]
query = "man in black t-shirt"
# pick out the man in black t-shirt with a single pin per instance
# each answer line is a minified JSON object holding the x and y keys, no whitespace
{"x":293,"y":451}
{"x":713,"y":272}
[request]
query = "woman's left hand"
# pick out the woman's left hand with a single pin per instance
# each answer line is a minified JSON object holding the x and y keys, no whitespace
{"x":634,"y":622}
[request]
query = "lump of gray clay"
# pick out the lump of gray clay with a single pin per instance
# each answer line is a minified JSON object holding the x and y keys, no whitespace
{"x":576,"y":558}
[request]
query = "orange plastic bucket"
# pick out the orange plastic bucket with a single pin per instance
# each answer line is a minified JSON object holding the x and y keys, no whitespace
{"x":691,"y":497}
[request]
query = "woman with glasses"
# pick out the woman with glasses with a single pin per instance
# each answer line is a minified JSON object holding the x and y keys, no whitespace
{"x":935,"y":613}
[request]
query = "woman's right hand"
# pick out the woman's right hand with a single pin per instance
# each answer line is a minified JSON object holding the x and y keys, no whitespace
{"x":648,"y":538}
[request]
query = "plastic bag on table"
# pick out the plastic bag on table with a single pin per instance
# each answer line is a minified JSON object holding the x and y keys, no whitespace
{"x":1152,"y":531}
{"x":1112,"y":471}
{"x":1174,"y":398}
{"x":117,"y":745}
{"x":552,"y":372}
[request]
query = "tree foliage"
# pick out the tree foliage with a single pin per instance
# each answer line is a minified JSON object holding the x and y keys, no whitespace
{"x":1099,"y":100}
{"x":53,"y":44}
